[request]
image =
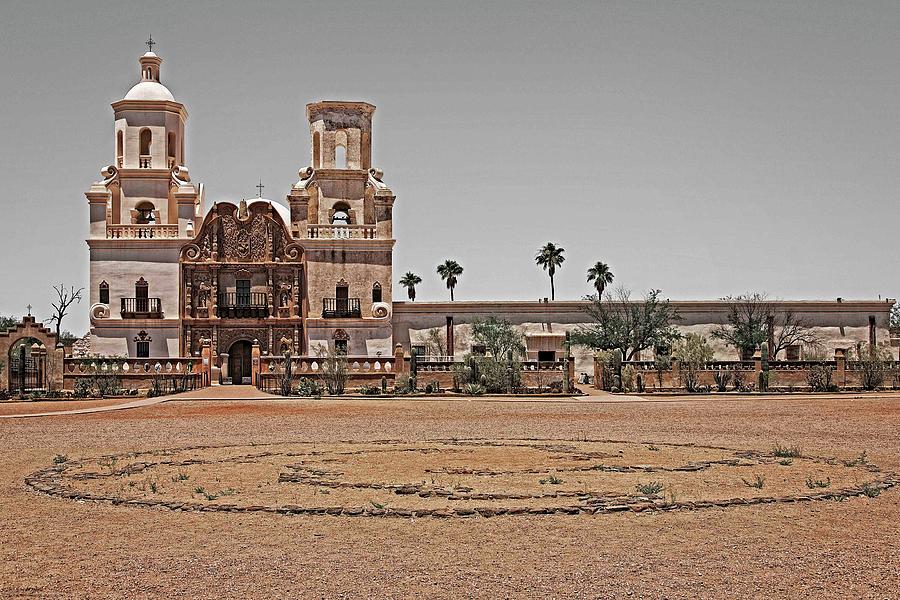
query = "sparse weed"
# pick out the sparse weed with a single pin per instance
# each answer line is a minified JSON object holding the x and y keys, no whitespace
{"x":60,"y":459}
{"x":786,"y":451}
{"x":199,"y":490}
{"x":153,"y":486}
{"x":870,"y":490}
{"x":817,"y":483}
{"x":377,"y":505}
{"x":182,"y":476}
{"x":757,"y":482}
{"x":653,"y":448}
{"x":649,"y":489}
{"x":860,"y":460}
{"x":552,"y":480}
{"x":108,"y":462}
{"x":785,"y":462}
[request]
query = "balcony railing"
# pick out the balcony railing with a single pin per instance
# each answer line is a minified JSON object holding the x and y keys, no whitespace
{"x":242,"y":305}
{"x":144,"y":161}
{"x":341,"y":232}
{"x":341,"y":308}
{"x":147,"y":232}
{"x":141,"y":308}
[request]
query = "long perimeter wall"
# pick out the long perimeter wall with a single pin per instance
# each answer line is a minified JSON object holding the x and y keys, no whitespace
{"x":841,"y":324}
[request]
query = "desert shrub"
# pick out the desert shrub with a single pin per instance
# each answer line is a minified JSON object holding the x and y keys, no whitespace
{"x":556,"y":387}
{"x":739,"y":381}
{"x":334,"y":371}
{"x":817,"y":483}
{"x":692,"y":352}
{"x":870,"y":490}
{"x":722,"y":378}
{"x":309,"y":387}
{"x":60,"y":459}
{"x":404,"y":384}
{"x":552,"y":480}
{"x":473,"y":389}
{"x":758,"y":481}
{"x":649,"y":489}
{"x":369,"y":390}
{"x":628,"y":378}
{"x":786,"y":451}
{"x":819,"y":378}
{"x":495,"y":374}
{"x":609,"y":361}
{"x":875,"y":365}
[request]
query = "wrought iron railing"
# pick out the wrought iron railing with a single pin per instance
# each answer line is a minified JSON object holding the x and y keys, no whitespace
{"x":242,"y":305}
{"x":341,"y":308}
{"x":141,"y":308}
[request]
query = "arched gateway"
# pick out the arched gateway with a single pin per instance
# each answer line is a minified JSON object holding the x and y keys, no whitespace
{"x":33,"y":362}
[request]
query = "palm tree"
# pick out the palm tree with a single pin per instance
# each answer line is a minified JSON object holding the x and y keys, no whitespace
{"x":601,"y":276}
{"x":410,"y":280}
{"x":550,"y":257}
{"x":450,"y":272}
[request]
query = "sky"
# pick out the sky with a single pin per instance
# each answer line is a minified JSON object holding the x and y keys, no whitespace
{"x":701,"y":148}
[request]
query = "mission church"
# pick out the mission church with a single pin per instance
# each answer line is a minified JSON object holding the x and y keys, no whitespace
{"x":169,"y":273}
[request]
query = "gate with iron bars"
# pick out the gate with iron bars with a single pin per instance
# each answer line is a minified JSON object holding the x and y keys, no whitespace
{"x":27,"y":372}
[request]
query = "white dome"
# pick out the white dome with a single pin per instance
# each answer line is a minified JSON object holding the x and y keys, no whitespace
{"x":280,"y":208}
{"x":149,"y":90}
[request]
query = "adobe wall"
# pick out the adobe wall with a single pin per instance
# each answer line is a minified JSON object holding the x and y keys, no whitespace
{"x":28,"y":327}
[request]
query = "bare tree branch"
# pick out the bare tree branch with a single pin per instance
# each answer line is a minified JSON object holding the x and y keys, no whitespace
{"x":65,"y":299}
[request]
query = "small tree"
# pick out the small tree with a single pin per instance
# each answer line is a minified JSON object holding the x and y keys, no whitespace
{"x":410,"y":280}
{"x":7,"y":322}
{"x":875,"y":364}
{"x":435,"y":342}
{"x":450,"y":271}
{"x":64,"y":299}
{"x":692,"y":352}
{"x":749,"y":317}
{"x":618,"y":323}
{"x":550,"y":258}
{"x":895,"y":319}
{"x":333,"y":371}
{"x":499,"y":337}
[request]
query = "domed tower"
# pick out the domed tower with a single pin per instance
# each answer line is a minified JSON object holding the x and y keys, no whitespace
{"x":341,"y":212}
{"x":141,"y":213}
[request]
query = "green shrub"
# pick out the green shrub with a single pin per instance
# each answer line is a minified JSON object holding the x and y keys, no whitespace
{"x":819,"y":378}
{"x":649,"y":489}
{"x":473,"y":389}
{"x":786,"y":451}
{"x":309,"y":387}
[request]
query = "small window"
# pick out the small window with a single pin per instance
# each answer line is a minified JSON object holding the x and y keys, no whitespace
{"x":145,"y":139}
{"x":104,"y":292}
{"x":546,"y":355}
{"x":419,"y":349}
{"x":340,"y":347}
{"x":142,"y":344}
{"x":340,"y":157}
{"x":376,"y":292}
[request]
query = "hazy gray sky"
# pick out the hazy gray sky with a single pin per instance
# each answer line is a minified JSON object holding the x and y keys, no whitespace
{"x":704,"y":148}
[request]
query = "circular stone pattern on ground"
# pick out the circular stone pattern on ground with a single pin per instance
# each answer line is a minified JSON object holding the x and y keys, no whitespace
{"x":457,"y":478}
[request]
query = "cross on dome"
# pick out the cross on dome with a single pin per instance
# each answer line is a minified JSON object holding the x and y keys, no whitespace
{"x":150,"y":43}
{"x":259,"y":187}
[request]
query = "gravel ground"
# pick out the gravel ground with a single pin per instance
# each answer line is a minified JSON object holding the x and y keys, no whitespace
{"x":53,"y":547}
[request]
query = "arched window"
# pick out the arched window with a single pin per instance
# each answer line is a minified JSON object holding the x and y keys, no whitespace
{"x":146,"y":213}
{"x":120,"y":144}
{"x":340,"y":157}
{"x":104,"y":292}
{"x":317,"y":150}
{"x":145,"y":139}
{"x":141,"y":293}
{"x":340,"y":214}
{"x":376,"y":292}
{"x":142,"y":344}
{"x":171,"y":149}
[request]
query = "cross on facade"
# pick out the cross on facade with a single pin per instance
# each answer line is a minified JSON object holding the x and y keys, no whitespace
{"x":260,"y":187}
{"x":29,"y":310}
{"x":150,"y":43}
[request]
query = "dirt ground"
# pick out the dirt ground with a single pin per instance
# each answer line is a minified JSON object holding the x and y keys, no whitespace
{"x":837,"y":548}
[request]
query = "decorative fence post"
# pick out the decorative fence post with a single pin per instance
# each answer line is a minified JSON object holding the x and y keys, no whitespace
{"x":840,"y":360}
{"x":254,"y":361}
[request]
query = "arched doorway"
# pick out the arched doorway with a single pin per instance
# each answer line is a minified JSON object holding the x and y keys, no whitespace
{"x":27,"y":365}
{"x":240,"y":360}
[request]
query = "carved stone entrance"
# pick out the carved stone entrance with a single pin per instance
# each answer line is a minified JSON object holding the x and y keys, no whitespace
{"x":240,"y":362}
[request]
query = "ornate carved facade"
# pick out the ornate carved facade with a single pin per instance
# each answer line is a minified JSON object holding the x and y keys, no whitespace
{"x":242,"y":279}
